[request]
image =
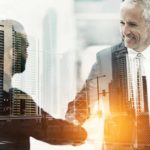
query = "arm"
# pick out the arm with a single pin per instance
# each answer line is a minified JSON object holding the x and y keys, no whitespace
{"x":79,"y":108}
{"x":57,"y":131}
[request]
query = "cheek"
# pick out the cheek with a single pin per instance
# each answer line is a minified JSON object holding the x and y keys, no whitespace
{"x":121,"y":31}
{"x":146,"y":34}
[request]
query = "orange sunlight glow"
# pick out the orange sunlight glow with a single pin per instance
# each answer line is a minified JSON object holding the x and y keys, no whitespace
{"x":95,"y":127}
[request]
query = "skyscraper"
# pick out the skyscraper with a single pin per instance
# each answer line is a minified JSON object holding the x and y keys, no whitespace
{"x":119,"y":85}
{"x":50,"y":67}
{"x":6,"y":43}
{"x":12,"y":101}
{"x":1,"y":65}
{"x":58,"y":75}
{"x":127,"y":119}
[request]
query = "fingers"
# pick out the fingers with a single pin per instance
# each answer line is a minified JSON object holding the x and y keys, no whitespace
{"x":63,"y":132}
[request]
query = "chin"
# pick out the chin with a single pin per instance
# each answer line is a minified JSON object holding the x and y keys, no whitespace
{"x":129,"y":45}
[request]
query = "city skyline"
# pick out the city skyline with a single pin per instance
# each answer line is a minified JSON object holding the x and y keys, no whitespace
{"x":12,"y":43}
{"x":32,"y":21}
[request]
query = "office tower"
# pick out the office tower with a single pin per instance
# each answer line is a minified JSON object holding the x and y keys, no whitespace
{"x":13,"y":101}
{"x":120,"y":121}
{"x":6,"y":43}
{"x":32,"y":74}
{"x":1,"y":66}
{"x":22,"y":104}
{"x":50,"y":63}
{"x":145,"y":94}
{"x":29,"y":80}
{"x":119,"y":85}
{"x":127,"y":120}
{"x":58,"y":75}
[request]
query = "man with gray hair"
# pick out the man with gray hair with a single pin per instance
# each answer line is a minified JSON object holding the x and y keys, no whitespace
{"x":20,"y":116}
{"x":121,"y":77}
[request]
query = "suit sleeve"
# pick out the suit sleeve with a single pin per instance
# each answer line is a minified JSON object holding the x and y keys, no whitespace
{"x":79,"y":108}
{"x":57,"y":131}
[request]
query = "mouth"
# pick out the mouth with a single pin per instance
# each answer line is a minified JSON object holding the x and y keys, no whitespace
{"x":129,"y":39}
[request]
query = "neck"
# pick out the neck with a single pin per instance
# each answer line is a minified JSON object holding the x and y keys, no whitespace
{"x":142,"y":48}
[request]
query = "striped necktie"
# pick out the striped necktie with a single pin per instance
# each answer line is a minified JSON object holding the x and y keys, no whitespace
{"x":142,"y":117}
{"x":141,"y":103}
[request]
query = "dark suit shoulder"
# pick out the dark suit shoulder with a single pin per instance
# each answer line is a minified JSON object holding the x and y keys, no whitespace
{"x":108,"y":51}
{"x":18,"y":91}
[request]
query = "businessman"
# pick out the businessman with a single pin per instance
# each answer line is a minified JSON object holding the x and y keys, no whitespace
{"x":121,"y":77}
{"x":20,"y":117}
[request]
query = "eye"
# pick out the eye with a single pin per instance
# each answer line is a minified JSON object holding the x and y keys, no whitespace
{"x":132,"y":24}
{"x":122,"y":23}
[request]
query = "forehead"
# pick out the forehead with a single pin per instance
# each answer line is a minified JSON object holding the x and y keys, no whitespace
{"x":131,"y":12}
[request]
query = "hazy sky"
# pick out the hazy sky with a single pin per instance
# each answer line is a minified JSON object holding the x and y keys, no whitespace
{"x":29,"y":12}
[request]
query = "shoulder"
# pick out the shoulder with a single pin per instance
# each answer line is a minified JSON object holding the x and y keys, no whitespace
{"x":20,"y":93}
{"x":108,"y":51}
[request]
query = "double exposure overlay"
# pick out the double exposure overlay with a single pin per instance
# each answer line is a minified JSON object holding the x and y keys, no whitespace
{"x":20,"y":116}
{"x":74,"y":75}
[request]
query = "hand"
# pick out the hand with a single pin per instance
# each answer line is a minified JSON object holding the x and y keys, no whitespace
{"x":61,"y":132}
{"x":77,"y":112}
{"x":76,"y":119}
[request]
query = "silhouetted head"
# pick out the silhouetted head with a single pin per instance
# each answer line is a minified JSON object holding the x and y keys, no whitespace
{"x":14,"y":46}
{"x":20,"y":47}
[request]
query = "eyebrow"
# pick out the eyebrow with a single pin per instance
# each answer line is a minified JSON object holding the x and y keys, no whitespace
{"x":129,"y":22}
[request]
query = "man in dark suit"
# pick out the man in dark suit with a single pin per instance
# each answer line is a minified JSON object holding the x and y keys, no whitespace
{"x":118,"y":78}
{"x":20,"y":117}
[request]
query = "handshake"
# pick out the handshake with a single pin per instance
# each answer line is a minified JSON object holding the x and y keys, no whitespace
{"x":61,"y":132}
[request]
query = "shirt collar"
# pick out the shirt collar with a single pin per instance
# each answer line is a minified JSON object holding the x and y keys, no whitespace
{"x":145,"y":53}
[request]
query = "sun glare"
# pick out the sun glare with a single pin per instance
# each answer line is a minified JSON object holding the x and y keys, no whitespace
{"x":95,"y":128}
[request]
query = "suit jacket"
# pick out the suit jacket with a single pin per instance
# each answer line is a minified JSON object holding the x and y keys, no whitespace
{"x":107,"y":77}
{"x":107,"y":83}
{"x":16,"y":130}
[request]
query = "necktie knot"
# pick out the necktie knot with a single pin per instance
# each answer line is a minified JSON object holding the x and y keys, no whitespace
{"x":140,"y":61}
{"x":139,"y":56}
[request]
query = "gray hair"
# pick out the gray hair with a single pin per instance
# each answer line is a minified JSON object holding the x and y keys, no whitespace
{"x":145,"y":4}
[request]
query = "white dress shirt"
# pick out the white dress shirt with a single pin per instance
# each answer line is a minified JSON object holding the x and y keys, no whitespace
{"x":132,"y":73}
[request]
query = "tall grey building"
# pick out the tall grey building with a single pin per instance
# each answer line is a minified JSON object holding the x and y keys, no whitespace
{"x":1,"y":64}
{"x":58,"y":75}
{"x":125,"y":114}
{"x":50,"y":61}
{"x":119,"y":86}
{"x":6,"y":43}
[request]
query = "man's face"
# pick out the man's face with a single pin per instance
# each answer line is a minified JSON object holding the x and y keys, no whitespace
{"x":135,"y":30}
